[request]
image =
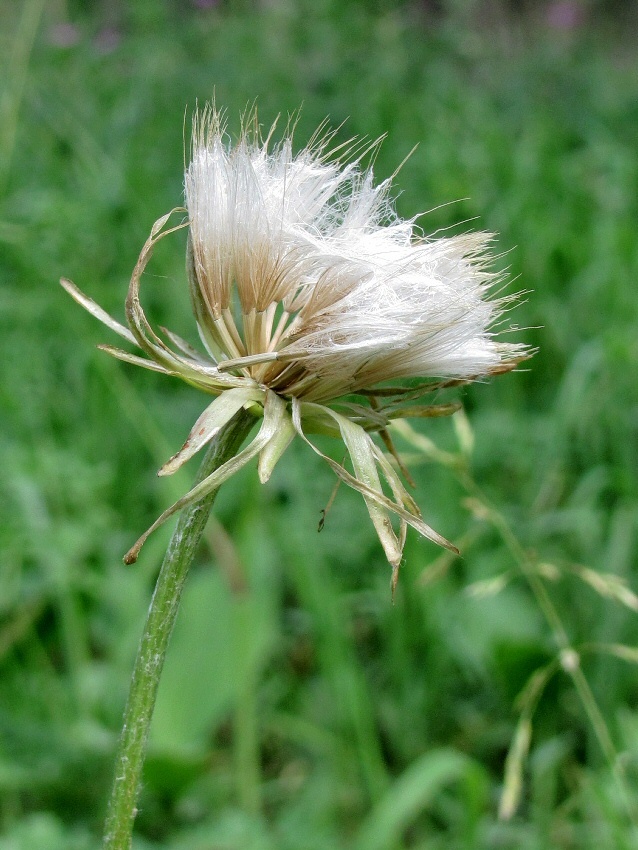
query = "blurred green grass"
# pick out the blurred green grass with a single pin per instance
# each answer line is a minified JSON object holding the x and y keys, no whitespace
{"x":300,"y":708}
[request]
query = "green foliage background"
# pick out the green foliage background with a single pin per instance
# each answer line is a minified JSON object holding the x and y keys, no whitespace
{"x":300,"y":709}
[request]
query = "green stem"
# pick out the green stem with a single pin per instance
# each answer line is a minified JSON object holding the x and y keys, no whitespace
{"x":152,"y":650}
{"x":567,"y":653}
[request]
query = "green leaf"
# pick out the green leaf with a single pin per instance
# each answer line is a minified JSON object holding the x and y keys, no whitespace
{"x":207,"y":662}
{"x":409,"y":795}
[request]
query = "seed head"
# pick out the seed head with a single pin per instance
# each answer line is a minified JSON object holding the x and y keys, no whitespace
{"x":311,"y":296}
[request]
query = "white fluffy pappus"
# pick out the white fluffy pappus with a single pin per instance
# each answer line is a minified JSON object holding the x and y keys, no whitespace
{"x":332,"y":289}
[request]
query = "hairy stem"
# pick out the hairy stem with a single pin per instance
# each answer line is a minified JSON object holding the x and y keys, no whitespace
{"x":153,"y":645}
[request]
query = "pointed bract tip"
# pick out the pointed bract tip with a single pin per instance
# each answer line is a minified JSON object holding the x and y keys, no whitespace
{"x":131,"y":556}
{"x":394,"y":580}
{"x":170,"y":466}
